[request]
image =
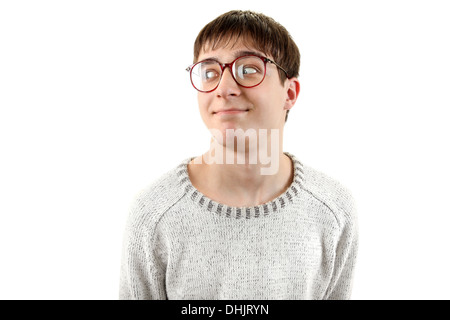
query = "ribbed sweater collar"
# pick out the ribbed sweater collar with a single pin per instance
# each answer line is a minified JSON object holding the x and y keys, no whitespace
{"x":265,"y":209}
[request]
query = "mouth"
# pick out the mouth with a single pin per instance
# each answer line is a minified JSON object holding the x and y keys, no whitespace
{"x":230,"y":111}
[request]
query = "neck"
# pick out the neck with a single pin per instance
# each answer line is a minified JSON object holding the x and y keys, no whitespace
{"x":239,"y":179}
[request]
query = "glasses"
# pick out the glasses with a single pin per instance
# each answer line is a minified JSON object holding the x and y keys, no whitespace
{"x":248,"y":72}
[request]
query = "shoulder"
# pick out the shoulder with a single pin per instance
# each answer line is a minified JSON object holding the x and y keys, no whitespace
{"x":154,"y":200}
{"x":330,"y":193}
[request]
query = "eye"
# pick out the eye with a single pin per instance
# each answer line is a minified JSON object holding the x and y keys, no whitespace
{"x":209,"y":75}
{"x":250,"y":70}
{"x":247,"y":71}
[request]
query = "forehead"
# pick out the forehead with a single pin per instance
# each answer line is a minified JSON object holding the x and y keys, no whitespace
{"x":229,"y":50}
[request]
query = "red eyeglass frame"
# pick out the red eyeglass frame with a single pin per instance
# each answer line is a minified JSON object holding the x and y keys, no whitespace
{"x":230,"y":65}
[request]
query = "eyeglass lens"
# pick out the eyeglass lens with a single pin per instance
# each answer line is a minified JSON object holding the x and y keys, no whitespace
{"x":247,"y":71}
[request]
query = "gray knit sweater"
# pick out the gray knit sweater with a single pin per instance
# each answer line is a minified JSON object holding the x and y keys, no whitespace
{"x":179,"y":244}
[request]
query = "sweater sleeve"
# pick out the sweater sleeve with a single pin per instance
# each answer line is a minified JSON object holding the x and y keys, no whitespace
{"x":345,"y":257}
{"x":142,"y":275}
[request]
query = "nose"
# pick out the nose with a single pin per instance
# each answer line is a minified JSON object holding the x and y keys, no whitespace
{"x":227,"y":86}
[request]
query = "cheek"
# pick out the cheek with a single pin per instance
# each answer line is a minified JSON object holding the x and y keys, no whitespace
{"x":277,"y":95}
{"x":202,"y":102}
{"x":264,"y":99}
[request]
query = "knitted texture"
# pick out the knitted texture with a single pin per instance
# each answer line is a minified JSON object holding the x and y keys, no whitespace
{"x":179,"y":244}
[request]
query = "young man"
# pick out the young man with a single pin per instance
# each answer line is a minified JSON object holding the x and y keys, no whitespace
{"x":245,"y":220}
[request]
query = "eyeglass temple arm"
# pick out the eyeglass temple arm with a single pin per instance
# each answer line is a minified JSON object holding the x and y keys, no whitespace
{"x":287,"y":75}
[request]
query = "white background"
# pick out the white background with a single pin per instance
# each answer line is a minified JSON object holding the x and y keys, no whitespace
{"x":96,"y":104}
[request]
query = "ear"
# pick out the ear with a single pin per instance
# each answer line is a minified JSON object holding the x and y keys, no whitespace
{"x":293,"y":90}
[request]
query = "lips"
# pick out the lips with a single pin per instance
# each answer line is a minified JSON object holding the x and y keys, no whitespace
{"x":230,"y":111}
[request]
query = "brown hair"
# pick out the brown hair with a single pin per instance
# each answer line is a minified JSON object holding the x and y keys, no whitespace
{"x":257,"y":30}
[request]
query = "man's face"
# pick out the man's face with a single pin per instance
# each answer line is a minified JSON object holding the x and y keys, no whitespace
{"x":260,"y":107}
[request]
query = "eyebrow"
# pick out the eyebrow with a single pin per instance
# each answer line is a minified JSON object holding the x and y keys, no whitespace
{"x":237,"y":54}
